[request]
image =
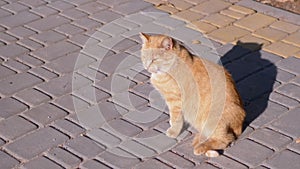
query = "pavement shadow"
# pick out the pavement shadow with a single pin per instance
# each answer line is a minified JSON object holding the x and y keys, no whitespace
{"x":254,"y":77}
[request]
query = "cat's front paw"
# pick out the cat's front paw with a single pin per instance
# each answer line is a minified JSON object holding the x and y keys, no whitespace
{"x":172,"y":133}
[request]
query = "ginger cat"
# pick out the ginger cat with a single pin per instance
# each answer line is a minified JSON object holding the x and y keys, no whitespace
{"x":197,"y":91}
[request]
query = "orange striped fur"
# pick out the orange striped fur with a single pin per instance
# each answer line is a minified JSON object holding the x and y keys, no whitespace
{"x":197,"y":91}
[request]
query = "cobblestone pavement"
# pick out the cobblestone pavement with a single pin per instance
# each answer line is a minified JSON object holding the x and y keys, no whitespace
{"x":74,"y":93}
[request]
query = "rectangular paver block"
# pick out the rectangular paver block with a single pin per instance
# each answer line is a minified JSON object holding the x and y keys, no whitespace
{"x":68,"y":127}
{"x":85,"y":146}
{"x":151,"y":163}
{"x":255,"y":21}
{"x":94,"y":164}
{"x":288,"y":124}
{"x":137,"y":149}
{"x":10,"y":106}
{"x":119,"y":158}
{"x":49,"y":113}
{"x":18,"y":19}
{"x":15,"y":126}
{"x":7,"y":161}
{"x":291,"y":90}
{"x":285,"y":159}
{"x":225,"y":162}
{"x":175,"y":160}
{"x":42,"y":162}
{"x":48,"y":23}
{"x":211,"y":6}
{"x":64,"y":157}
{"x":45,"y":138}
{"x":270,"y":138}
{"x":104,"y":137}
{"x":240,"y":152}
{"x":18,"y":82}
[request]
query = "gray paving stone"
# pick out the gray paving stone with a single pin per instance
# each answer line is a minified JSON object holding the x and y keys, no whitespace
{"x":285,"y":159}
{"x":122,"y":128}
{"x":152,"y":164}
{"x":2,"y":142}
{"x":7,"y":161}
{"x":289,"y":64}
{"x":64,"y":157}
{"x":118,"y":158}
{"x":74,"y":61}
{"x":67,"y":102}
{"x":18,"y":19}
{"x":269,"y":112}
{"x":69,"y":29}
{"x":56,"y":50}
{"x":159,"y":142}
{"x":15,"y":7}
{"x":111,"y":111}
{"x":16,"y":65}
{"x":42,"y":162}
{"x":270,"y":138}
{"x":185,"y":149}
{"x":12,"y":51}
{"x":129,"y":100}
{"x":125,"y":23}
{"x":93,"y":164}
{"x":43,"y":73}
{"x":18,"y":82}
{"x":101,"y":36}
{"x":4,"y":37}
{"x":92,"y":74}
{"x":143,"y":89}
{"x":44,"y":11}
{"x":4,"y":72}
{"x":139,"y":19}
{"x":115,"y":84}
{"x":169,"y":22}
{"x":111,"y":3}
{"x":32,"y":3}
{"x":61,"y":5}
{"x":68,"y":127}
{"x":30,"y":44}
{"x":92,"y":7}
{"x":294,"y":147}
{"x":240,"y":152}
{"x":282,"y":76}
{"x":175,"y":160}
{"x":4,"y":13}
{"x":134,"y":76}
{"x":50,"y":113}
{"x":288,"y":123}
{"x":205,"y":166}
{"x":82,"y":39}
{"x":85,"y":147}
{"x":87,"y":23}
{"x":105,"y":16}
{"x":48,"y":23}
{"x":297,"y":80}
{"x":112,"y":29}
{"x":290,"y":90}
{"x":103,"y":137}
{"x":284,"y":100}
{"x":21,"y":32}
{"x":91,"y":117}
{"x":64,"y":84}
{"x":48,"y":37}
{"x":10,"y":106}
{"x":77,"y":2}
{"x":14,"y":127}
{"x":225,"y":162}
{"x":145,"y":117}
{"x":96,"y":52}
{"x":45,"y":138}
{"x":123,"y":45}
{"x":137,"y":149}
{"x":91,"y":94}
{"x":74,"y":13}
{"x":130,"y":7}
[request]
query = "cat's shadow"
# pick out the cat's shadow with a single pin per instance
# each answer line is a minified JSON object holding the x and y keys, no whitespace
{"x":254,"y":77}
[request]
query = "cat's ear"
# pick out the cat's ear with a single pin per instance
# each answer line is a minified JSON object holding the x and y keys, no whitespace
{"x":167,"y":43}
{"x":145,"y":38}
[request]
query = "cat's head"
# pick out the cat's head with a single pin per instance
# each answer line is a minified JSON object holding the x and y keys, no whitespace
{"x":157,"y":53}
